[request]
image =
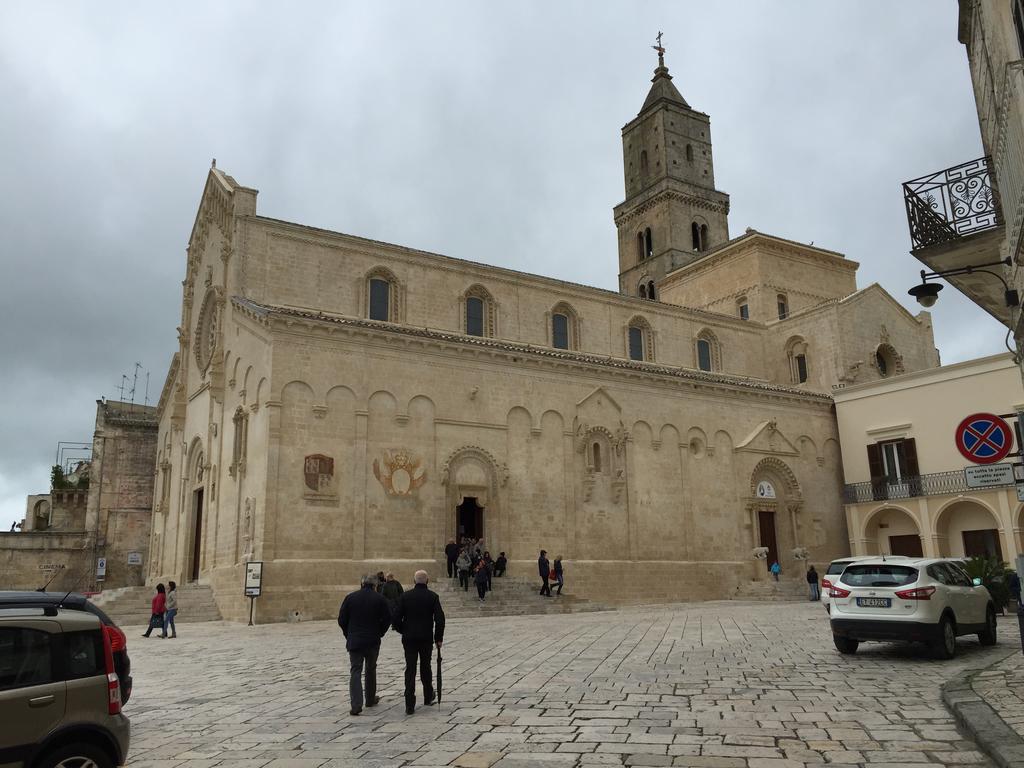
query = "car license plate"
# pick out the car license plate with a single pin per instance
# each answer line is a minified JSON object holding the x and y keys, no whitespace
{"x":874,"y":602}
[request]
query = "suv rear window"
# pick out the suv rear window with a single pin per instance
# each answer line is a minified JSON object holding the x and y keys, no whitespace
{"x":837,"y":567}
{"x":879,"y":575}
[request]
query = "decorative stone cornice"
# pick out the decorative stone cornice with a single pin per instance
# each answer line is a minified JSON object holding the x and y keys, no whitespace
{"x":301,"y":320}
{"x":623,"y":216}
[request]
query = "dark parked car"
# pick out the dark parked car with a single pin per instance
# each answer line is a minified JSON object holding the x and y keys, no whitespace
{"x":77,"y":602}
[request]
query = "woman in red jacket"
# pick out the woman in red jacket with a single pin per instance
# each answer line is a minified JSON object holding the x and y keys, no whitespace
{"x":159,"y":605}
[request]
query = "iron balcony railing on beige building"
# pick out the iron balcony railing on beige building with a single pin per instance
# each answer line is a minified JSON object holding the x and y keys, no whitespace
{"x":934,"y":484}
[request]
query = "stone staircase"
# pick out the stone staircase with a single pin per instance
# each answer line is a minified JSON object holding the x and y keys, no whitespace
{"x":129,"y":606}
{"x":771,"y":591}
{"x":509,"y":596}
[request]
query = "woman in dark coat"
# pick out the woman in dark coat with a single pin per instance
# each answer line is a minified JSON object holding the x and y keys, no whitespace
{"x":392,"y":590}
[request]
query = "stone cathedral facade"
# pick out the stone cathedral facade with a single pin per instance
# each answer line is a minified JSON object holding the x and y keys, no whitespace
{"x":340,"y":405}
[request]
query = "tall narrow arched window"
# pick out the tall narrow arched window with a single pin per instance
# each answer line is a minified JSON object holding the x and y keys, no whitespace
{"x":636,"y":343}
{"x":704,"y":354}
{"x":648,"y":243}
{"x":689,"y":153}
{"x":479,"y":312}
{"x":708,"y":351}
{"x":559,"y":331}
{"x":796,"y":355}
{"x":642,"y":291}
{"x":474,"y":316}
{"x":643,"y":161}
{"x":641,"y":250}
{"x":639,"y":340}
{"x":596,"y":449}
{"x":695,"y":235}
{"x":380,"y":299}
{"x":650,"y":290}
{"x":382,"y":296}
{"x":783,"y":305}
{"x":704,"y":237}
{"x":743,"y":308}
{"x":565,"y":327}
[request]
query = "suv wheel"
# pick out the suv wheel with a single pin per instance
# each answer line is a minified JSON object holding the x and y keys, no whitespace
{"x":845,"y":645}
{"x":79,"y":755}
{"x":945,"y":646}
{"x":988,"y":637}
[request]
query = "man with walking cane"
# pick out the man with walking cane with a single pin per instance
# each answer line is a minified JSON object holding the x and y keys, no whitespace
{"x":420,"y":621}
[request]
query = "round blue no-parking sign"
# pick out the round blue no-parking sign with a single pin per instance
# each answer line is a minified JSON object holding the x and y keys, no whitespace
{"x":984,"y":438}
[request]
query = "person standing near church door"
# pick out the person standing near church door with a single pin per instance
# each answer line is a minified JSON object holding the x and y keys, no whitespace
{"x":451,"y":553}
{"x":464,"y":564}
{"x":544,"y":568}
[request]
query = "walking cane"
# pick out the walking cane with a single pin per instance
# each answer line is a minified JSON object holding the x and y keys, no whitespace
{"x":439,"y":660}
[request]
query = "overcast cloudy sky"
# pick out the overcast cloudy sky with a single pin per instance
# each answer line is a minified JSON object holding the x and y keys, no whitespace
{"x":481,"y":130}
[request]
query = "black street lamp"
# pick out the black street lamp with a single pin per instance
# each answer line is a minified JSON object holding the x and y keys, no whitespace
{"x":928,"y":293}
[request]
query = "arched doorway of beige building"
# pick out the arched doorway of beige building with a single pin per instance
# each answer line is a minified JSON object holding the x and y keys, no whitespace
{"x":196,"y":500}
{"x":968,"y":528}
{"x":892,"y":531}
{"x":470,"y":476}
{"x":775,"y":506}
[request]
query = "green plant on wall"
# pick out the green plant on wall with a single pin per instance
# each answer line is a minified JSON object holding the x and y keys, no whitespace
{"x":58,"y":481}
{"x":994,"y":577}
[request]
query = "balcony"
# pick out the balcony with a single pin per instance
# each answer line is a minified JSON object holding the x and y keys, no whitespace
{"x":934,"y":484}
{"x":955,"y":221}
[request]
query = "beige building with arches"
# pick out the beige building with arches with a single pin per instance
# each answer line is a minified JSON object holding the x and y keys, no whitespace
{"x":340,"y":405}
{"x":906,"y":490}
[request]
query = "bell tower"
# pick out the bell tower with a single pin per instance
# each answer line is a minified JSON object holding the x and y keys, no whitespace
{"x":672,"y":213}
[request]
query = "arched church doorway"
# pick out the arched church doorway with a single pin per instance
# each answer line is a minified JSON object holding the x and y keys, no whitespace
{"x":470,"y":519}
{"x":766,"y":530}
{"x":198,"y":508}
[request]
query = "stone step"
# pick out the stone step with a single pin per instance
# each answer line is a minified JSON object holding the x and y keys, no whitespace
{"x":129,"y":606}
{"x":785,"y":590}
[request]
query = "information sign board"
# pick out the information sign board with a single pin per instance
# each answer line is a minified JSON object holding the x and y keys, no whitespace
{"x":989,"y":475}
{"x":253,"y":578}
{"x":101,"y":568}
{"x":134,"y":558}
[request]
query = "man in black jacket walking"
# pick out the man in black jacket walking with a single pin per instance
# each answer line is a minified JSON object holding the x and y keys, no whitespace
{"x":364,"y":618}
{"x":544,"y":569}
{"x":420,"y":621}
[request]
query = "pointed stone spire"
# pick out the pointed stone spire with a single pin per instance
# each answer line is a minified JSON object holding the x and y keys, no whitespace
{"x":662,"y":88}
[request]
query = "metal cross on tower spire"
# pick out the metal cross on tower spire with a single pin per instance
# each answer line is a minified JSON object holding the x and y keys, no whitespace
{"x":660,"y":49}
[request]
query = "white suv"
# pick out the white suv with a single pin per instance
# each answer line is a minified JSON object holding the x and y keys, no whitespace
{"x":918,"y":599}
{"x":832,"y":573}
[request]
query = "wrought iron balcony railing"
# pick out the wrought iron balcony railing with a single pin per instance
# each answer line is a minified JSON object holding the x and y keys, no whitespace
{"x":950,"y":204}
{"x":933,"y":484}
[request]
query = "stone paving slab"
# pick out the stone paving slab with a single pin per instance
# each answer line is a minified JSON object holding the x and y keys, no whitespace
{"x":990,"y":703}
{"x":710,"y":685}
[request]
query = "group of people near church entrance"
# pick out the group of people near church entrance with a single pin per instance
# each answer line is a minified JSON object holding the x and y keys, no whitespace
{"x":471,"y":560}
{"x":164,"y":608}
{"x":550,"y":573}
{"x":813,"y":582}
{"x":365,"y":617}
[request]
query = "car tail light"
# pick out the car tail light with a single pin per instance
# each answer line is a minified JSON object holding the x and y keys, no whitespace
{"x":825,"y":584}
{"x":835,"y":591}
{"x":919,"y":593}
{"x":118,"y":640}
{"x":113,"y":684}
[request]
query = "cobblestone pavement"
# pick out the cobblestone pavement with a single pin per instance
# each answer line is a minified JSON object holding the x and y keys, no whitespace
{"x":1002,"y":687}
{"x":726,"y":685}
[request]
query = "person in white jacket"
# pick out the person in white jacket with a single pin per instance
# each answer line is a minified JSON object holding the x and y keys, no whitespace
{"x":171,"y":609}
